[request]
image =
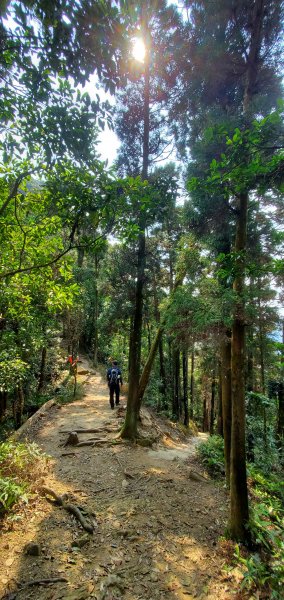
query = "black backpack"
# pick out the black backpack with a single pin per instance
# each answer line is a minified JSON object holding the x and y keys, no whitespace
{"x":114,"y":376}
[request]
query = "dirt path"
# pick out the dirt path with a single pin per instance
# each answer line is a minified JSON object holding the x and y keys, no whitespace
{"x":156,"y":530}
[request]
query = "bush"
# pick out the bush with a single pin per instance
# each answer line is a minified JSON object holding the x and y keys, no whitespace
{"x":212,"y":455}
{"x":21,"y":466}
{"x":265,"y":569}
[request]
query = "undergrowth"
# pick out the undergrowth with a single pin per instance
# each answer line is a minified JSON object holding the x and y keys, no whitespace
{"x":212,"y":455}
{"x":21,"y":468}
{"x":65,"y":393}
{"x":263,"y":570}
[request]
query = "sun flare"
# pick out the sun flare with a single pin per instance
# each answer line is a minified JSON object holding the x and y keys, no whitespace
{"x":138,"y":49}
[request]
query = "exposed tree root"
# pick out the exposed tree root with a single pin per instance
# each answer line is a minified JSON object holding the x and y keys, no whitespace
{"x":197,"y":476}
{"x":68,"y":454}
{"x":146,"y":442}
{"x":92,"y":430}
{"x":69,"y":507}
{"x":86,"y":443}
{"x":45,"y":581}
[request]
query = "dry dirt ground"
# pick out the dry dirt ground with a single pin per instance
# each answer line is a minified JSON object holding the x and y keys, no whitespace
{"x":156,"y":530}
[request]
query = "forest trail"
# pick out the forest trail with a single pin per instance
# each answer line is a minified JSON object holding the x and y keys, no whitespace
{"x":156,"y":529}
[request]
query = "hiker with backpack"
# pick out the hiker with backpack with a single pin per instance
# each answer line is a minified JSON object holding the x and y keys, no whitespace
{"x":114,"y":379}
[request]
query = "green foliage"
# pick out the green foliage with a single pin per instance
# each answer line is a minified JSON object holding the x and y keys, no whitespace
{"x":20,"y":467}
{"x":265,"y":569}
{"x":261,"y":423}
{"x":13,"y":371}
{"x":10,"y":493}
{"x":212,"y":454}
{"x":66,"y":395}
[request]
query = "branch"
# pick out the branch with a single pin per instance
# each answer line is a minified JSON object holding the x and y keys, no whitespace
{"x":24,"y":235}
{"x":14,"y":189}
{"x":40,"y":266}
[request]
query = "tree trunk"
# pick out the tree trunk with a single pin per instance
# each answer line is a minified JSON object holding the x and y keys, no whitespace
{"x":205,"y":406}
{"x":220,"y":406}
{"x":18,"y":406}
{"x":261,"y":361}
{"x":280,"y":421}
{"x":249,"y":377}
{"x":212,"y":404}
{"x":129,"y":429}
{"x":41,"y":380}
{"x":226,"y":401}
{"x":176,"y":395}
{"x":96,"y":315}
{"x":192,"y":384}
{"x":239,"y":513}
{"x":149,"y":364}
{"x":155,"y":345}
{"x":3,"y":404}
{"x":162,"y":368}
{"x":185,"y":387}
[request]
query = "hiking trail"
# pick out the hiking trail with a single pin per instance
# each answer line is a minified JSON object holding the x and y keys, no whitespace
{"x":156,"y":527}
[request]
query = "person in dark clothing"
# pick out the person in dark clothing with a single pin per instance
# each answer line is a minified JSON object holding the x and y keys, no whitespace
{"x":114,"y":379}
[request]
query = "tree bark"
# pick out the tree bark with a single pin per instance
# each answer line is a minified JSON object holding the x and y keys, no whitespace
{"x":226,"y":400}
{"x":176,"y":394}
{"x":41,"y":380}
{"x":280,"y":420}
{"x":212,"y":404}
{"x":250,"y":377}
{"x":18,"y":407}
{"x":205,"y":405}
{"x":96,"y":314}
{"x":185,"y":387}
{"x":129,"y":429}
{"x":191,"y":412}
{"x":155,"y":345}
{"x":239,"y":513}
{"x":220,"y":407}
{"x":162,"y":367}
{"x":3,"y":404}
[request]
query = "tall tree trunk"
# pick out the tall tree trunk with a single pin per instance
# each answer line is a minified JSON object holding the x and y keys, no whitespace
{"x":155,"y":345}
{"x":212,"y":404}
{"x":280,"y":421}
{"x":96,"y":315}
{"x":149,"y":337}
{"x":226,"y":400}
{"x":41,"y":380}
{"x":250,"y":377}
{"x":129,"y":429}
{"x":18,"y":406}
{"x":185,"y":386}
{"x":205,"y":404}
{"x":261,"y":361}
{"x":239,"y":513}
{"x":220,"y":406}
{"x":191,"y":411}
{"x":162,"y":368}
{"x":3,"y":403}
{"x":176,"y":395}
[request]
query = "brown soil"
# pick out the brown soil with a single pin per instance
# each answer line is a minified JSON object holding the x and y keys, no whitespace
{"x":156,"y":529}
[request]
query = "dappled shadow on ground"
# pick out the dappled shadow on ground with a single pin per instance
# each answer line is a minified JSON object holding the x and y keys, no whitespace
{"x":155,"y":529}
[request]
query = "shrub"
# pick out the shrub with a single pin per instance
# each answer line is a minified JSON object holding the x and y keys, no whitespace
{"x":21,"y":466}
{"x":212,"y":454}
{"x":265,"y":569}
